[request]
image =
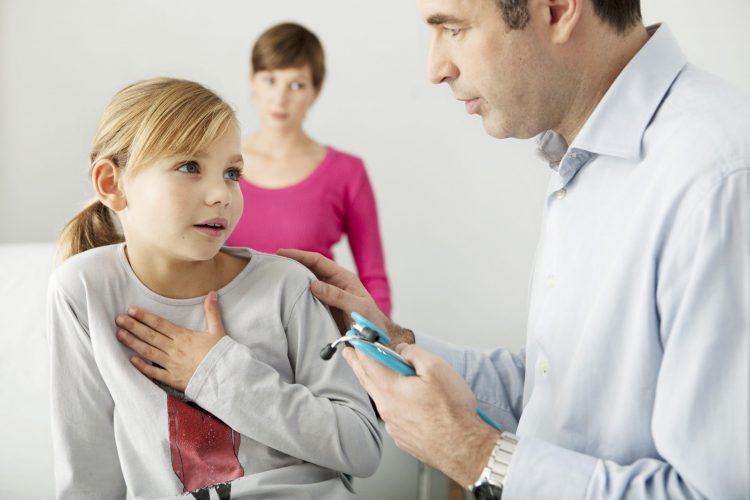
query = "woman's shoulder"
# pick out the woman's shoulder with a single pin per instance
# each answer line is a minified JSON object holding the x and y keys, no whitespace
{"x":345,"y":160}
{"x":346,"y":169}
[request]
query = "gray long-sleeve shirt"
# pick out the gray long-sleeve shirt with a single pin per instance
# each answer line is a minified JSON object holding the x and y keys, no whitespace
{"x":262,"y":410}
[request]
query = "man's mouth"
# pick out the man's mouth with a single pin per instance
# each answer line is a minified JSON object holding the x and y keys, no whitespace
{"x":472,"y":105}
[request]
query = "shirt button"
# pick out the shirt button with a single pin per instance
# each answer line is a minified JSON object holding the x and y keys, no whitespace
{"x":573,"y":155}
{"x":544,"y":366}
{"x":551,"y":281}
{"x":560,"y":193}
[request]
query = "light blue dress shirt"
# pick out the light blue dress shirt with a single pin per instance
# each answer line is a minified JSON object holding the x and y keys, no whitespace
{"x":635,"y":380}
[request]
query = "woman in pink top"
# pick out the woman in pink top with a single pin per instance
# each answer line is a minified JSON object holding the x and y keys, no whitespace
{"x":299,"y":193}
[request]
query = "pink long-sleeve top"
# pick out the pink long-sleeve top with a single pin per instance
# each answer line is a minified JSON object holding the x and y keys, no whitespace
{"x":313,"y":214}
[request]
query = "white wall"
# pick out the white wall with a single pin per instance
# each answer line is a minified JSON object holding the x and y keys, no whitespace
{"x":459,"y":210}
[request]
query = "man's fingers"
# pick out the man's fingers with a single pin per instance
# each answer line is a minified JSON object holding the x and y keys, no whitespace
{"x":350,"y":355}
{"x":144,"y":349}
{"x":424,"y":362}
{"x":156,"y":323}
{"x":334,"y":296}
{"x":374,"y":376}
{"x":320,"y":266}
{"x":213,"y":314}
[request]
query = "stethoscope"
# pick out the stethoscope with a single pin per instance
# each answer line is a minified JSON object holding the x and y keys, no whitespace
{"x":368,"y":338}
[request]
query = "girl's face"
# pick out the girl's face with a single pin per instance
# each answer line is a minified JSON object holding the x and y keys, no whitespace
{"x":185,"y":207}
{"x":283,"y":96}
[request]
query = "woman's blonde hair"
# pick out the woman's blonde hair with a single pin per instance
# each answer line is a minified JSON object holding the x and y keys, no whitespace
{"x":143,"y":122}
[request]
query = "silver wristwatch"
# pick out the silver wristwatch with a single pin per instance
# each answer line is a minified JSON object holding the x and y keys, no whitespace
{"x":493,"y":477}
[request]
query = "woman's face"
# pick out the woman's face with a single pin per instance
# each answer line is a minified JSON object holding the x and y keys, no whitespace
{"x":283,"y":96}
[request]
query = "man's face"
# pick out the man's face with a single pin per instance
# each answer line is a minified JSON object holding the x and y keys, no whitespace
{"x":497,"y":72}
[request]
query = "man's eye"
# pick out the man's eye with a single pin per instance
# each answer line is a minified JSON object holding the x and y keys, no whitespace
{"x":454,"y":32}
{"x":233,"y":174}
{"x":189,"y":167}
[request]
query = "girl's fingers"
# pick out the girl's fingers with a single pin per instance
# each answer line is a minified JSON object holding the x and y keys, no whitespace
{"x":156,"y":323}
{"x":213,"y":314}
{"x":144,"y":332}
{"x":144,"y":349}
{"x":151,"y":371}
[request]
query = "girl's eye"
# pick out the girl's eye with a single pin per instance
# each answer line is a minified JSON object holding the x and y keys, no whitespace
{"x":189,"y":167}
{"x":233,"y":174}
{"x":269,"y":80}
{"x":297,"y":86}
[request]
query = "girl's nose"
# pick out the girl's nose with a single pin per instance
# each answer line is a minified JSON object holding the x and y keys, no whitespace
{"x":219,"y":193}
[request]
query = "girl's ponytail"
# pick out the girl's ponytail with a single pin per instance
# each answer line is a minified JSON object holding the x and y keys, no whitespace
{"x":92,"y":227}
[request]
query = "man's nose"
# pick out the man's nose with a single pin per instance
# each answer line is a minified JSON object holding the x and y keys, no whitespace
{"x":440,"y":68}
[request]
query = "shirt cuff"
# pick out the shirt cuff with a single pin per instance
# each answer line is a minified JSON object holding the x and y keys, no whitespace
{"x":207,"y":366}
{"x":455,"y":356}
{"x":542,"y":470}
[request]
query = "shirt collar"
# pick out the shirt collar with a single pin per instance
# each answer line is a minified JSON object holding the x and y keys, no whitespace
{"x":617,"y":125}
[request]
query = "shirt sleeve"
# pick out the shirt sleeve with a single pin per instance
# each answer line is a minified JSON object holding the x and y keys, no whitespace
{"x":363,"y":233}
{"x":701,"y":415}
{"x":496,"y":377}
{"x":324,"y":417}
{"x":85,"y":453}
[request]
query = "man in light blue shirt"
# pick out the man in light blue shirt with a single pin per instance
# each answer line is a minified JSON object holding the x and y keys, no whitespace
{"x":635,"y":382}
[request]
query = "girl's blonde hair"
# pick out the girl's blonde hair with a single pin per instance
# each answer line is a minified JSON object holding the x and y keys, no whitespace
{"x":145,"y":121}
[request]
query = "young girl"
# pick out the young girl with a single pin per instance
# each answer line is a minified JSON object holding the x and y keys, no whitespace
{"x":299,"y":193}
{"x":263,"y":415}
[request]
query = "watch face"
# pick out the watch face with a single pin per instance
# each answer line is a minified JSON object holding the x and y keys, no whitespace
{"x":487,"y":491}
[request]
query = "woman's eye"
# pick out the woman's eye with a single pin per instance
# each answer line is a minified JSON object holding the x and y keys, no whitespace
{"x":233,"y":174}
{"x":269,"y":80}
{"x":297,"y":86}
{"x":189,"y":167}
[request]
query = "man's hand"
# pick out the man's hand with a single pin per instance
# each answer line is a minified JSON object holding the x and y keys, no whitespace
{"x":431,"y":415}
{"x":342,"y":290}
{"x":178,"y":351}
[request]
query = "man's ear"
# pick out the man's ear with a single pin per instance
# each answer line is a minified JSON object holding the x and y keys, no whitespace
{"x":563,"y":17}
{"x":106,"y":179}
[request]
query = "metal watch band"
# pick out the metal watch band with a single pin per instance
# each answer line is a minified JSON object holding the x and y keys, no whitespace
{"x":495,"y":473}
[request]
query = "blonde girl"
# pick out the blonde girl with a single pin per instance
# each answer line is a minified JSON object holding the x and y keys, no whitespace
{"x":262,"y":415}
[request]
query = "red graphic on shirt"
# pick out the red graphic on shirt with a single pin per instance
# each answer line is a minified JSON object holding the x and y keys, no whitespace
{"x":204,"y":449}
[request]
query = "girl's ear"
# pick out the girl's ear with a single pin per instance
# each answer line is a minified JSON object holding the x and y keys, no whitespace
{"x":106,"y":179}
